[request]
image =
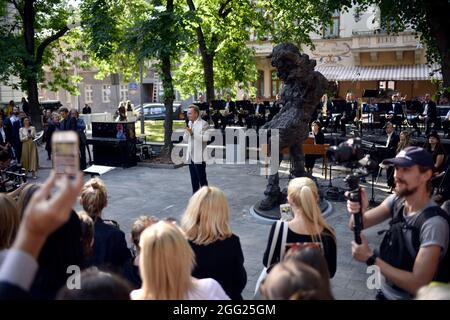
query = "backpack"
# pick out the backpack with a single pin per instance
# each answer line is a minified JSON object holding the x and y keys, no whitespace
{"x":394,"y":249}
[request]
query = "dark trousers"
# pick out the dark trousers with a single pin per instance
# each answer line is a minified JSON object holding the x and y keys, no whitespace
{"x":426,"y":121}
{"x":198,"y":175}
{"x":446,"y":126}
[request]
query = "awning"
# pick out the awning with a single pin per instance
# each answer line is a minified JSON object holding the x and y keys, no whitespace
{"x":378,"y":73}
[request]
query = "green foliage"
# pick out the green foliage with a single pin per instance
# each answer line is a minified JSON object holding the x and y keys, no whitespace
{"x":51,"y":16}
{"x":293,"y":20}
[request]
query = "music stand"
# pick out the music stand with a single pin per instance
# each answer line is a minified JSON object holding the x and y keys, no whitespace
{"x":370,"y":93}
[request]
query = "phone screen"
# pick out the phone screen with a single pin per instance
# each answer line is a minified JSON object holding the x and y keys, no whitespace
{"x":65,"y":158}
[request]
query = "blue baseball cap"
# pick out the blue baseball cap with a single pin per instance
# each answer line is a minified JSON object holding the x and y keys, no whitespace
{"x":411,"y":156}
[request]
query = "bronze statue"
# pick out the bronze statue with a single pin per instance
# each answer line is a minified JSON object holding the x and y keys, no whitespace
{"x":301,"y":93}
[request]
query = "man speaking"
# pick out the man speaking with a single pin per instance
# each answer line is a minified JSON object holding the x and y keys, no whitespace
{"x":197,"y":136}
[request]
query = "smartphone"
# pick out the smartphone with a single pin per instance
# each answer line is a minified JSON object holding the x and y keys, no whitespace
{"x":65,"y":153}
{"x":286,"y":213}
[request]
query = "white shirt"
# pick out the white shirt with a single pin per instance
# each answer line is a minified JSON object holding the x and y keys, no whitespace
{"x":197,"y":141}
{"x":389,"y":138}
{"x":204,"y":289}
{"x":2,"y":132}
{"x":18,"y":268}
{"x":425,"y":110}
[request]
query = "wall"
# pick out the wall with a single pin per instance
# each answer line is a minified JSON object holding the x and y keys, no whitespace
{"x":387,"y":59}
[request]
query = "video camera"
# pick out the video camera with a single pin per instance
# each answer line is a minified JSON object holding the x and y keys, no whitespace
{"x":350,"y":154}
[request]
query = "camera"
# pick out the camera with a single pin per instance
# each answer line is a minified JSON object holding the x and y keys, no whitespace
{"x":350,"y":154}
{"x":12,"y":178}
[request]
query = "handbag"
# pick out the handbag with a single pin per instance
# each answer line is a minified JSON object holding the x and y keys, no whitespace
{"x":280,"y":224}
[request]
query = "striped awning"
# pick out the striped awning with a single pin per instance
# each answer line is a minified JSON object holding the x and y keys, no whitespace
{"x":378,"y":73}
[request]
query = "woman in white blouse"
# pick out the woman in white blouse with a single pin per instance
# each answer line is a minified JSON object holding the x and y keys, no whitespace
{"x":29,"y":160}
{"x":166,"y":263}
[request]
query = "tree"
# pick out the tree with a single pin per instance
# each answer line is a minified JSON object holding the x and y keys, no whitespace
{"x":139,"y":31}
{"x":30,"y":38}
{"x":222,"y":29}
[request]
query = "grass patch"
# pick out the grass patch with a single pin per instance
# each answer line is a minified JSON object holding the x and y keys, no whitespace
{"x":154,"y":129}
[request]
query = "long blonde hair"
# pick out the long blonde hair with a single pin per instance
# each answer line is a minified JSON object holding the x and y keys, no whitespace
{"x":206,"y":218}
{"x":303,"y":194}
{"x":403,"y":144}
{"x":94,"y":197}
{"x":165,"y":263}
{"x":9,"y":221}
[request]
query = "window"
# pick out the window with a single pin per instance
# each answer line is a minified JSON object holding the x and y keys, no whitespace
{"x":386,"y":85}
{"x":260,"y":84}
{"x":57,"y":95}
{"x":276,"y":84}
{"x":88,"y":93}
{"x":123,"y":92}
{"x":106,"y":92}
{"x":68,"y":97}
{"x":332,"y":30}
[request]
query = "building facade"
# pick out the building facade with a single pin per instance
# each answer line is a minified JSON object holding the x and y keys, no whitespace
{"x":354,"y":54}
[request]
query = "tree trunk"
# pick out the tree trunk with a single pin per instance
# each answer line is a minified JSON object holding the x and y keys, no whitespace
{"x":207,"y":58}
{"x":29,"y":16}
{"x":439,"y":24}
{"x":169,"y":96}
{"x":208,"y":69}
{"x":168,"y":103}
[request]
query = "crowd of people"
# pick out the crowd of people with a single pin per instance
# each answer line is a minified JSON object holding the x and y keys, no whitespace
{"x":42,"y":238}
{"x":18,"y":137}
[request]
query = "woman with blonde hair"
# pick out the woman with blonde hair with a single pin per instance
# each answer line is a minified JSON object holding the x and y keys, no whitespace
{"x":166,"y":264}
{"x":404,"y":141}
{"x":218,"y":252}
{"x":110,"y":246}
{"x":9,"y":221}
{"x":308,"y":225}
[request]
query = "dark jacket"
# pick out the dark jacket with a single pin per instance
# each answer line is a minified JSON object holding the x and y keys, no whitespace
{"x":396,"y":109}
{"x":223,"y":261}
{"x":431,"y":111}
{"x":110,"y":246}
{"x":68,"y":124}
{"x":52,"y":127}
{"x":319,"y":138}
{"x":6,"y":140}
{"x":393,"y":144}
{"x":12,"y":292}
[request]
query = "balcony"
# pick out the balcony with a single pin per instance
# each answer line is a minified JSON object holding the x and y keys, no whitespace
{"x":366,"y":41}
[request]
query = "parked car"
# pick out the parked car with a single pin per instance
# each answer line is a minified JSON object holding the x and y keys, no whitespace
{"x":52,"y":105}
{"x":157,"y":111}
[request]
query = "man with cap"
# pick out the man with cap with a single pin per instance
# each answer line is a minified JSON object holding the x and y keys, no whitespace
{"x":409,"y":257}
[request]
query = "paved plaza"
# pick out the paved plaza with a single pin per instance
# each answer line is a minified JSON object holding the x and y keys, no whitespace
{"x":165,"y":192}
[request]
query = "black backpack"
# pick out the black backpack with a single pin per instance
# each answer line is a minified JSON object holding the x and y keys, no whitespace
{"x":394,"y":249}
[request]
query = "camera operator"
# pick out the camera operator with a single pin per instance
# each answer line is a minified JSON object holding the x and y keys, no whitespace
{"x":414,"y":250}
{"x":6,"y":184}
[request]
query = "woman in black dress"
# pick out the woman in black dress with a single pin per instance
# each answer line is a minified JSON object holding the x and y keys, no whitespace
{"x":217,"y":250}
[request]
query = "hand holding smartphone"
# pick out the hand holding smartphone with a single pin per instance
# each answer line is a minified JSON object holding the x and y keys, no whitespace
{"x":65,"y":153}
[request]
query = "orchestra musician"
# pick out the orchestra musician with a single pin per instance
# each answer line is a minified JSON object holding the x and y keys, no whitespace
{"x":427,"y":114}
{"x":319,"y":138}
{"x":348,"y":114}
{"x":326,"y":111}
{"x":229,"y":112}
{"x":394,"y":114}
{"x":275,"y":108}
{"x":260,"y":114}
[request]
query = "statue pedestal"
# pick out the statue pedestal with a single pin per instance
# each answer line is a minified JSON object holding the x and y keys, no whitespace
{"x":272,"y":215}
